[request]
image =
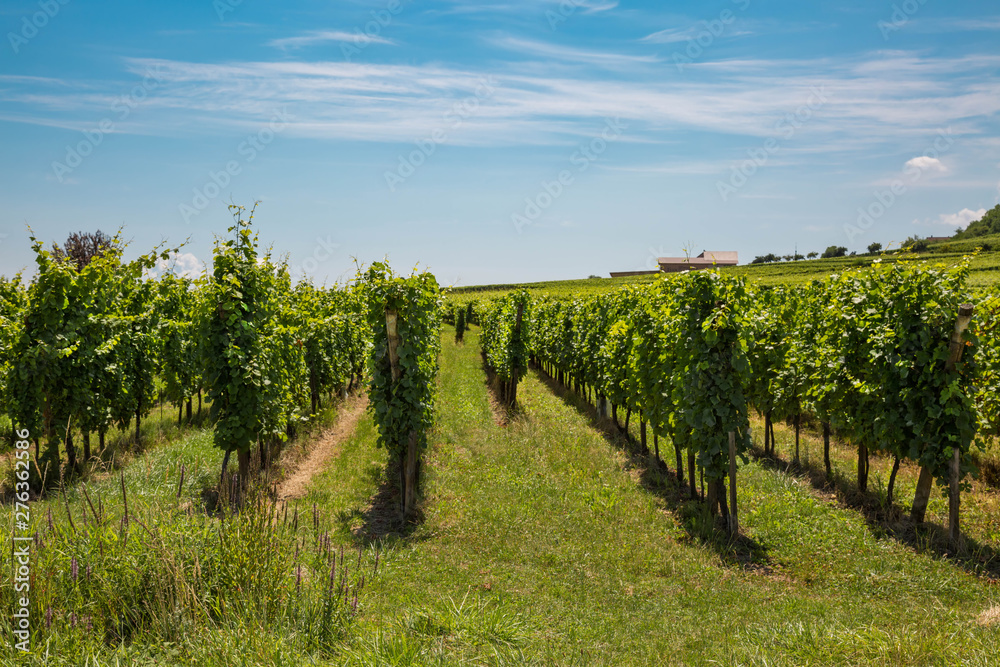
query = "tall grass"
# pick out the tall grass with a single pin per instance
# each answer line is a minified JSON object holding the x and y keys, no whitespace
{"x":156,"y":576}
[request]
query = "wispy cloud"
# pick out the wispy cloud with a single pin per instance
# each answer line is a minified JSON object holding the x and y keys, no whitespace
{"x":940,"y":24}
{"x":672,"y":35}
{"x":320,"y":36}
{"x":523,"y":6}
{"x":553,"y":101}
{"x":595,"y":7}
{"x":570,"y":54}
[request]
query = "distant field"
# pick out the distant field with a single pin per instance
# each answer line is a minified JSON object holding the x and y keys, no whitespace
{"x":985,"y":270}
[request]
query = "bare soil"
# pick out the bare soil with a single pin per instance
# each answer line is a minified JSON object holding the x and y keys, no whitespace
{"x":325,"y":449}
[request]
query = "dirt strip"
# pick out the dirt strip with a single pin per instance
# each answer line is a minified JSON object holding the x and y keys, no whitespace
{"x":326,"y":448}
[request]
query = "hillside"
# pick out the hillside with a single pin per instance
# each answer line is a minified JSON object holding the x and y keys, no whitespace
{"x":985,"y":269}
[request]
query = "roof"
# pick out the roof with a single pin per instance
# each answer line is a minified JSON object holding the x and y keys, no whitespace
{"x":721,"y":256}
{"x":707,"y":258}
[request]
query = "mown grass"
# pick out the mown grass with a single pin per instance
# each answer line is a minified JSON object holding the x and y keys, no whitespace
{"x":587,"y":555}
{"x":552,"y":540}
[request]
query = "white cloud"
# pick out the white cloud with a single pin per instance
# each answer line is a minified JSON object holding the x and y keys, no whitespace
{"x":594,"y":8}
{"x":961,"y":219}
{"x":672,"y":35}
{"x":589,"y":56}
{"x":926,"y":163}
{"x":555,"y":97}
{"x":184,"y":264}
{"x":317,"y":36}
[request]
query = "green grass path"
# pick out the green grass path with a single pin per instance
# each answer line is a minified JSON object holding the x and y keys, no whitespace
{"x":542,"y":543}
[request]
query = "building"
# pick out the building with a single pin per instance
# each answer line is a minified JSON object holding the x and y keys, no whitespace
{"x":705,"y":260}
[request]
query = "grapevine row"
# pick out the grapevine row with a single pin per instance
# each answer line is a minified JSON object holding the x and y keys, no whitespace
{"x":873,"y":354}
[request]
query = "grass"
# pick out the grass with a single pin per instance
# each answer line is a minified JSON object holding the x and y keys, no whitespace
{"x":588,"y":556}
{"x":160,"y":427}
{"x":551,"y":540}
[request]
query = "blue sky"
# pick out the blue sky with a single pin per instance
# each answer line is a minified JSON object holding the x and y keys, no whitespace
{"x":501,"y":140}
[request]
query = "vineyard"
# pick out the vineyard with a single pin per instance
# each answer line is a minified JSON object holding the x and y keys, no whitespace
{"x":874,"y":355}
{"x":573,"y":477}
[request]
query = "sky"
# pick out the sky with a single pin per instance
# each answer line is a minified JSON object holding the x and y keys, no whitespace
{"x":496,"y":141}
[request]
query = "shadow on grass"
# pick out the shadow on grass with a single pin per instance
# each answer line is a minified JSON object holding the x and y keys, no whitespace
{"x":383,"y":518}
{"x":889,"y":521}
{"x":503,"y":414}
{"x":657,"y":479}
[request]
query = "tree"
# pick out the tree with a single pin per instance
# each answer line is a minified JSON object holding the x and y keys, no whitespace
{"x":834,"y":251}
{"x":874,"y":248}
{"x":915,"y":244}
{"x":813,"y":255}
{"x":798,"y":257}
{"x":81,"y":247}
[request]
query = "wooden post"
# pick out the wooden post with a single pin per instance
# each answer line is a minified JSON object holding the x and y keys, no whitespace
{"x":826,"y":450}
{"x":392,"y":336}
{"x":926,"y":481}
{"x":954,"y":496}
{"x":767,"y":433}
{"x":954,"y":356}
{"x":680,"y":461}
{"x":863,"y":467}
{"x":410,"y":495}
{"x":691,"y":474}
{"x":408,"y":460}
{"x":734,"y":522}
{"x":798,"y":421}
{"x":512,"y":399}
